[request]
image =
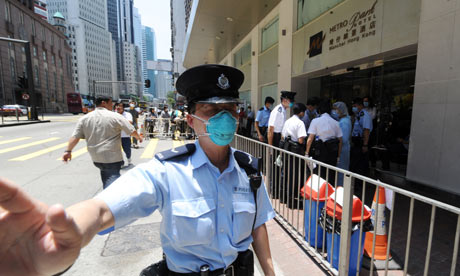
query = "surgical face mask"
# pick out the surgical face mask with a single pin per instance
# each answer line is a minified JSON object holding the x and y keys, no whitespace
{"x":131,"y":105}
{"x":366,"y":104}
{"x":334,"y":114}
{"x":291,"y":104}
{"x":220,"y":127}
{"x":354,"y":109}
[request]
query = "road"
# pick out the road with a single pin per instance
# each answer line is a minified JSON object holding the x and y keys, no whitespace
{"x":30,"y":155}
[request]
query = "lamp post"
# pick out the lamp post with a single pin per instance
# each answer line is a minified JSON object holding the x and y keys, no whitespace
{"x":30,"y":79}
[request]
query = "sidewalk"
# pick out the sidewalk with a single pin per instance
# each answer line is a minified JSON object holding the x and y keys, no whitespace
{"x":7,"y":122}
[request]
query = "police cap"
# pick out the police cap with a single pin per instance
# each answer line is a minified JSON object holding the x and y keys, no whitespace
{"x":288,"y":95}
{"x":210,"y":83}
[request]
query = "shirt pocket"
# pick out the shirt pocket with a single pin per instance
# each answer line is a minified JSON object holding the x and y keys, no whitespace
{"x":243,"y":217}
{"x":193,"y":221}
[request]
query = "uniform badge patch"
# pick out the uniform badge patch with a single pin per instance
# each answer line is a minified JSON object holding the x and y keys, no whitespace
{"x":241,"y":190}
{"x":222,"y":82}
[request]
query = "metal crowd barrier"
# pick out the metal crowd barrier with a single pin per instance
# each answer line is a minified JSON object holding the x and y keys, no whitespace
{"x":403,"y":230}
{"x":166,"y":128}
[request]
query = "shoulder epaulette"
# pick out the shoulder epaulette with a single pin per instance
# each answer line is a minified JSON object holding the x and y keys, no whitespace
{"x":280,"y":109}
{"x":176,"y":152}
{"x":260,"y":109}
{"x":249,"y":163}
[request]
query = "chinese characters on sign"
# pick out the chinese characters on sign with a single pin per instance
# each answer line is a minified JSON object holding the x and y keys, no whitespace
{"x":360,"y":25}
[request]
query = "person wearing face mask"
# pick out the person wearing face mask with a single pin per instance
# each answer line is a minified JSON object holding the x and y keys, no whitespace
{"x":310,"y":113}
{"x":362,"y":128}
{"x":213,"y":201}
{"x":278,"y":117}
{"x":324,"y":141}
{"x":341,"y":112}
{"x":262,"y":117}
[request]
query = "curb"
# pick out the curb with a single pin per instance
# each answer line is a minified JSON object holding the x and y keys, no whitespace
{"x":25,"y":123}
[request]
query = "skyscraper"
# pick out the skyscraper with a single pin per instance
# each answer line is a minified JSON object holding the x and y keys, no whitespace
{"x":149,"y":53}
{"x":91,"y":43}
{"x":114,"y":22}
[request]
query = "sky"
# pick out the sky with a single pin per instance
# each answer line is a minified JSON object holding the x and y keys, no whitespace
{"x":156,"y":14}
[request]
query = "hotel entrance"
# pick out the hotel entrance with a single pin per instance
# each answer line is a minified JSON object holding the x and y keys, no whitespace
{"x":389,"y":86}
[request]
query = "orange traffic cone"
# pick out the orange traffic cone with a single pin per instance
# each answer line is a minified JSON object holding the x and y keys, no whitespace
{"x":381,"y":238}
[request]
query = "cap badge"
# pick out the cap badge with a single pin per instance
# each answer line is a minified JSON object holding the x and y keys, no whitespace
{"x":222,"y":82}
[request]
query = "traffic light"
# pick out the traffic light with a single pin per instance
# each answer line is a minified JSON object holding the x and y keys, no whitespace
{"x":147,"y":83}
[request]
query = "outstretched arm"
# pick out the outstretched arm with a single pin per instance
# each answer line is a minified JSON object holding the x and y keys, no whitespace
{"x":36,"y":239}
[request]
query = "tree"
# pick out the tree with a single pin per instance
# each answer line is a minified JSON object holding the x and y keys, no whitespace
{"x":171,"y":97}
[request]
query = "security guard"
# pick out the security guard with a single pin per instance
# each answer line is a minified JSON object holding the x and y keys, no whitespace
{"x":362,"y":128}
{"x":262,"y":117}
{"x":293,"y":138}
{"x":210,"y":196}
{"x":324,"y":141}
{"x":278,"y":117}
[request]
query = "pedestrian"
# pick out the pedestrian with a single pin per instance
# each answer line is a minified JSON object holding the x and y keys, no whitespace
{"x":102,"y":131}
{"x":278,"y":117}
{"x":262,"y":117}
{"x":324,"y":140}
{"x":340,"y":111}
{"x":165,"y":118}
{"x":135,"y":114}
{"x":359,"y":154}
{"x":125,"y":137}
{"x":293,"y":137}
{"x":311,"y":113}
{"x":206,"y":192}
{"x":249,"y":122}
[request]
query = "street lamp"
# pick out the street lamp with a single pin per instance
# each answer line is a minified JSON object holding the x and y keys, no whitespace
{"x":30,"y":80}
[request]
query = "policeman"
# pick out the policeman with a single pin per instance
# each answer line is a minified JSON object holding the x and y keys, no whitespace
{"x":293,"y":137}
{"x":262,"y":117}
{"x":362,"y":127}
{"x":325,"y":139}
{"x":207,"y":193}
{"x":278,"y":117}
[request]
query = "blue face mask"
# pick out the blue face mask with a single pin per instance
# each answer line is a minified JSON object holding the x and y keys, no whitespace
{"x":220,"y":127}
{"x":354,"y":109}
{"x":291,"y":104}
{"x":334,"y":114}
{"x":366,"y":104}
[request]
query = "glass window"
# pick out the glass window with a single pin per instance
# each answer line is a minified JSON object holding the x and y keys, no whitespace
{"x":270,"y":91}
{"x":36,"y":76}
{"x":307,"y":10}
{"x":44,"y":55}
{"x":270,"y":34}
{"x":243,"y":55}
{"x":13,"y":68}
{"x":245,"y":97}
{"x":35,"y":51}
{"x":7,"y":12}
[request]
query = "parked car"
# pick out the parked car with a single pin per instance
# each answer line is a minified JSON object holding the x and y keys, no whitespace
{"x":10,"y":110}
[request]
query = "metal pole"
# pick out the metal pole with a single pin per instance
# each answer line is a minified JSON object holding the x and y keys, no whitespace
{"x":94,"y":90}
{"x":30,"y":83}
{"x":345,"y":232}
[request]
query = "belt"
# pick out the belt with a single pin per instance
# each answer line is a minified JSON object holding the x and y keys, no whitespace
{"x":229,"y":271}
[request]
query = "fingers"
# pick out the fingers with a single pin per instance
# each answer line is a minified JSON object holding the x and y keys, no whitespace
{"x":13,"y":198}
{"x":65,"y":231}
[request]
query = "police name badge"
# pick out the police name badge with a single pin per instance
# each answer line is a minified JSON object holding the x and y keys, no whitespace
{"x":222,"y":82}
{"x":240,"y":190}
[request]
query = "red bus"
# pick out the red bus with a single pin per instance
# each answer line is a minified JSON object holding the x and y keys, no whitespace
{"x":74,"y":103}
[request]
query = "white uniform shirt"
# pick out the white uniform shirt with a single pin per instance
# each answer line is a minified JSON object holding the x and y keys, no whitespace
{"x":128,"y":117}
{"x":295,"y":128}
{"x":325,"y":128}
{"x":277,"y":118}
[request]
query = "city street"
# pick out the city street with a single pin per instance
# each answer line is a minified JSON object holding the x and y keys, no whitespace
{"x":30,"y":155}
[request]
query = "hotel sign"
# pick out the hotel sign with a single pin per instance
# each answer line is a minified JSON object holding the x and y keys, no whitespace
{"x":361,"y":25}
{"x":316,"y":44}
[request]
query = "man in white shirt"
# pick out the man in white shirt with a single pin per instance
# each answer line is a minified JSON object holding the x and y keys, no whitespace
{"x":125,"y":137}
{"x":293,"y":137}
{"x":278,"y":117}
{"x":325,"y":135}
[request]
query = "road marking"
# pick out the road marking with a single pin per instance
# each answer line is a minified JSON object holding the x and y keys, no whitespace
{"x":29,"y":145}
{"x":150,"y":150}
{"x":14,"y":140}
{"x":76,"y":153}
{"x":38,"y":153}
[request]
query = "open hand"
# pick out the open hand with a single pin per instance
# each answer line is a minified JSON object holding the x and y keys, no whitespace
{"x":34,"y":239}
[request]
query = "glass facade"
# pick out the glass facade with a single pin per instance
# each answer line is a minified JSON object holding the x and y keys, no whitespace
{"x":307,"y":10}
{"x":243,"y":55}
{"x":269,"y":91}
{"x":270,"y":34}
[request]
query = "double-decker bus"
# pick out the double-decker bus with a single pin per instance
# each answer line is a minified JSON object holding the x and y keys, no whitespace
{"x":74,"y":103}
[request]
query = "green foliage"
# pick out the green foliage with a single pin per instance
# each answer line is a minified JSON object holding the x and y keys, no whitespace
{"x":171,"y":98}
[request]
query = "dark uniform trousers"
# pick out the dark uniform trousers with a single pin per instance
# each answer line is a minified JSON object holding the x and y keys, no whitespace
{"x":277,"y":173}
{"x":326,"y":152}
{"x":293,"y":176}
{"x":359,"y":162}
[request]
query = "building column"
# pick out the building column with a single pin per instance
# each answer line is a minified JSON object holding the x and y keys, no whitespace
{"x":286,"y":27}
{"x":256,"y":102}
